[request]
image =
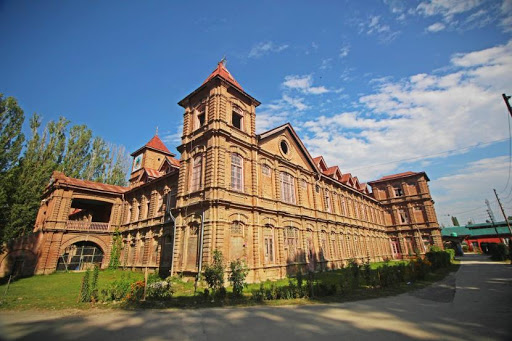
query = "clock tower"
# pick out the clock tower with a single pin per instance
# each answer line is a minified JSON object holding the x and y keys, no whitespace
{"x":148,"y":159}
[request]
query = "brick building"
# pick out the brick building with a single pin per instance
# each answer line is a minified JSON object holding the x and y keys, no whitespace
{"x":262,"y":198}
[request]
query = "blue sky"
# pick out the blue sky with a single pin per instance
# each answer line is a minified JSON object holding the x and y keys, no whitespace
{"x":367,"y":84}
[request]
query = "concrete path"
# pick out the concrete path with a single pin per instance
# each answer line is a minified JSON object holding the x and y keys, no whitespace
{"x":473,"y":304}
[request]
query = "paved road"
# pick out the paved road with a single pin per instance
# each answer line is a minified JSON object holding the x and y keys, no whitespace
{"x":473,"y":304}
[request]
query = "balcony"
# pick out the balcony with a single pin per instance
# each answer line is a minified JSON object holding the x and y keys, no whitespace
{"x":87,"y":226}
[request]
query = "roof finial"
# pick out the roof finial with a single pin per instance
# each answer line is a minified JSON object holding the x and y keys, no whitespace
{"x":156,"y":133}
{"x":223,"y":61}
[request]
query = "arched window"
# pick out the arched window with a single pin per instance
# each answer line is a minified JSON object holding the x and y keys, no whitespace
{"x":237,"y":172}
{"x":197,"y":170}
{"x":287,"y":188}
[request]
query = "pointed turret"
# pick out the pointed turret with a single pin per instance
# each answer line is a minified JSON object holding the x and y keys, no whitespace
{"x":222,"y":72}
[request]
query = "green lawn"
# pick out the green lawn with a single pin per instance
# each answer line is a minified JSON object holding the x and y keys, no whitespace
{"x":61,"y":290}
{"x":56,"y":291}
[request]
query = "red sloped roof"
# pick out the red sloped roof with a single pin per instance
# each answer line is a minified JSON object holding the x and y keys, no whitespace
{"x":153,"y":173}
{"x":65,"y":180}
{"x":331,"y":170}
{"x":173,"y":161}
{"x":224,"y":73}
{"x":345,"y":177}
{"x":157,"y":144}
{"x":398,"y":176}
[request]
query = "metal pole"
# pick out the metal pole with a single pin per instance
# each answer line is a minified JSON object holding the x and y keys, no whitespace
{"x":507,"y":103}
{"x":504,"y":216}
{"x":169,"y":213}
{"x":201,"y":247}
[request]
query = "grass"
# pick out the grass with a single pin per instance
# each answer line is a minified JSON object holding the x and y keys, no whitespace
{"x":56,"y":291}
{"x":60,"y":291}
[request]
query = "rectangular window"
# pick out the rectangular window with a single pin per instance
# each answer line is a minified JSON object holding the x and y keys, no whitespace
{"x":398,"y":191}
{"x":287,"y":188}
{"x":265,"y":170}
{"x":269,"y":249}
{"x":236,"y":120}
{"x":200,"y":117}
{"x":291,"y":238}
{"x":403,"y":217}
{"x":343,"y":206}
{"x":304,"y":184}
{"x":327,"y":202}
{"x":196,"y":173}
{"x":236,"y":172}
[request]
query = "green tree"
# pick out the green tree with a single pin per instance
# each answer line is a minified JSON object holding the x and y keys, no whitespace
{"x":96,"y":169}
{"x":42,"y":156}
{"x":11,"y":142}
{"x":118,"y":166}
{"x":78,"y":153}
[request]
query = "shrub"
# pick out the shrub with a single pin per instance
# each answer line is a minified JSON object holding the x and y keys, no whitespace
{"x":259,"y":295}
{"x":85,"y":290}
{"x":94,"y":283}
{"x":237,"y":277}
{"x":160,"y":290}
{"x":439,"y":259}
{"x":499,"y":252}
{"x":452,"y":253}
{"x":118,"y":289}
{"x":136,"y":292}
{"x":214,"y":273}
{"x":299,"y":279}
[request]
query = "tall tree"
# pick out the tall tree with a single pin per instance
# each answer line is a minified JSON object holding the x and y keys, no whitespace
{"x":119,"y":164}
{"x":43,"y":155}
{"x":96,"y":169}
{"x":77,"y":154}
{"x":11,"y":142}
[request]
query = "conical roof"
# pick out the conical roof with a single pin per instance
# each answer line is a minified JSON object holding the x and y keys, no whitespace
{"x":222,"y":72}
{"x":156,"y":144}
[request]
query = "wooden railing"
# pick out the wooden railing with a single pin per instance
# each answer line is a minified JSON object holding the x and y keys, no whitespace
{"x":87,"y":226}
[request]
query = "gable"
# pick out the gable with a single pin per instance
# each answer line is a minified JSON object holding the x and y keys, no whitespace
{"x":284,"y":142}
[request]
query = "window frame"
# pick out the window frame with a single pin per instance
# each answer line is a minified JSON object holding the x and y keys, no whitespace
{"x":196,"y":176}
{"x":237,"y":183}
{"x":237,"y":112}
{"x":287,"y":188}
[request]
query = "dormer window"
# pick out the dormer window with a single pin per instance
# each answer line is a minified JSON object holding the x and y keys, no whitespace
{"x":237,"y":118}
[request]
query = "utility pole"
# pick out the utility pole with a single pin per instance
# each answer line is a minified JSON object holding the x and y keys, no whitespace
{"x":504,"y":216}
{"x":507,"y":103}
{"x":490,"y":212}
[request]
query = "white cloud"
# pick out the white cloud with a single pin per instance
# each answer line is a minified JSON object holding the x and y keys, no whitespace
{"x":447,"y":8}
{"x":436,"y":27}
{"x":303,"y":84}
{"x":477,"y":178}
{"x":326,"y":64}
{"x":374,"y":26}
{"x":506,"y":13}
{"x":344,"y":51}
{"x":263,"y":48}
{"x":423,"y":114}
